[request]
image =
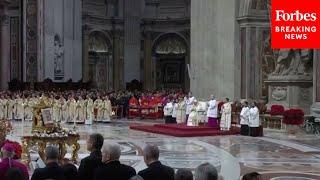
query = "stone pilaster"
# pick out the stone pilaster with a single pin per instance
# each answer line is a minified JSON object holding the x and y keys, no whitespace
{"x":85,"y":53}
{"x":148,"y":66}
{"x":116,"y":61}
{"x":315,"y":108}
{"x":4,"y":45}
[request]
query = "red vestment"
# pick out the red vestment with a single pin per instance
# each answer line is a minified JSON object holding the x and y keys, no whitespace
{"x":134,"y":110}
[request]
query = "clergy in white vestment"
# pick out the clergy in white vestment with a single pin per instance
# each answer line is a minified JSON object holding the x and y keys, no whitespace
{"x":19,"y":108}
{"x":3,"y":107}
{"x":189,"y":103}
{"x":174,"y":111}
{"x":193,"y":116}
{"x":254,"y":120}
{"x":28,"y":108}
{"x":167,"y":112}
{"x":56,"y":110}
{"x":72,"y":105}
{"x":89,"y":110}
{"x":97,"y":109}
{"x":10,"y":108}
{"x":202,"y":113}
{"x":181,"y":111}
{"x":106,"y":109}
{"x":64,"y":109}
{"x":225,"y":122}
{"x":80,"y":110}
{"x":212,"y":112}
{"x":244,"y":119}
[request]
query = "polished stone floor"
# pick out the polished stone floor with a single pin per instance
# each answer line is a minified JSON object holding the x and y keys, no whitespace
{"x":277,"y":155}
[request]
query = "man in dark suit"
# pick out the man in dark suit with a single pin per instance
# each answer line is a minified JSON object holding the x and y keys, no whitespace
{"x":112,"y":168}
{"x":89,"y":164}
{"x":155,"y":170}
{"x":52,"y":169}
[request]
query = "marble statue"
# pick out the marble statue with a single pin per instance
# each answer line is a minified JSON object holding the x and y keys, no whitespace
{"x":58,"y":56}
{"x":291,"y":62}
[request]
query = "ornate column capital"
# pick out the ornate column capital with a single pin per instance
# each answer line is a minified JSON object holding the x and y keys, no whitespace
{"x":4,"y":20}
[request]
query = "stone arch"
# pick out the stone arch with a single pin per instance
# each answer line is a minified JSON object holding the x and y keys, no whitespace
{"x":100,"y":60}
{"x":170,"y":52}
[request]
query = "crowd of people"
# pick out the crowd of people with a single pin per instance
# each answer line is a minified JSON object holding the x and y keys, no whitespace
{"x":103,"y":163}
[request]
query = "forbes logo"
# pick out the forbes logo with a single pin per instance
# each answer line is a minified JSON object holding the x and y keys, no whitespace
{"x":281,"y":15}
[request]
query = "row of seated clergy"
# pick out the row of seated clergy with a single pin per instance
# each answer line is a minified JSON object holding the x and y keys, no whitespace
{"x":81,"y":110}
{"x":145,"y":107}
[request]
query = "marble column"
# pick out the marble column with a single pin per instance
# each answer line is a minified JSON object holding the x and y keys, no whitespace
{"x":116,"y":61}
{"x":148,"y":67}
{"x":85,"y":53}
{"x":4,"y":45}
{"x":315,"y":108}
{"x":213,"y":61}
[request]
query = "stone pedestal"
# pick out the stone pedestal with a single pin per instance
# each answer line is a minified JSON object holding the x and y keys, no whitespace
{"x":291,"y":92}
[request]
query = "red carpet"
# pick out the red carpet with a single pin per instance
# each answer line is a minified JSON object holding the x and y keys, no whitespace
{"x":184,"y":130}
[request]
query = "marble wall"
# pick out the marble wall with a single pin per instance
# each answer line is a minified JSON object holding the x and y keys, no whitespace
{"x":214,"y":41}
{"x":62,"y":40}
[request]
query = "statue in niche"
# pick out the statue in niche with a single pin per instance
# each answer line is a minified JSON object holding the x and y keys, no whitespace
{"x":58,"y":57}
{"x":293,"y":62}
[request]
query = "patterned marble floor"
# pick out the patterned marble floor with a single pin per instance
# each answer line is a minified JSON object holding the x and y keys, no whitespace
{"x":277,"y":156}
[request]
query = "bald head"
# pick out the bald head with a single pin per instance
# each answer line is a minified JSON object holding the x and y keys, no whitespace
{"x":151,"y":154}
{"x":111,"y":152}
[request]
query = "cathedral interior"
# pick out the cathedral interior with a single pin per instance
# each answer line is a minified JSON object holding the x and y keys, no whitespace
{"x":219,"y":47}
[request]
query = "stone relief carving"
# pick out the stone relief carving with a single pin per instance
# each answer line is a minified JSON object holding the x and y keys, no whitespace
{"x":304,"y":94}
{"x":279,"y":93}
{"x":171,"y":46}
{"x":293,"y":62}
{"x":58,"y":58}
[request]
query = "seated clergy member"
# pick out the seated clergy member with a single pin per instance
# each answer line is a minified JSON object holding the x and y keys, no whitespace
{"x":89,"y":164}
{"x":7,"y":164}
{"x":112,"y":168}
{"x":155,"y":170}
{"x":52,"y":169}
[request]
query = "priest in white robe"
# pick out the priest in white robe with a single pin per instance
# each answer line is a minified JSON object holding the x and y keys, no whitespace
{"x":225,"y":123}
{"x":181,"y":111}
{"x":212,"y":112}
{"x":72,"y":104}
{"x":19,"y":108}
{"x":80,"y":110}
{"x":89,"y":111}
{"x":106,"y":110}
{"x":254,"y":120}
{"x":97,"y":109}
{"x":244,"y":119}
{"x":189,"y":104}
{"x":193,"y":116}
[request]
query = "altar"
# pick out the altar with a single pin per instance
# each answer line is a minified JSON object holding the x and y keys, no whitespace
{"x":47,"y":131}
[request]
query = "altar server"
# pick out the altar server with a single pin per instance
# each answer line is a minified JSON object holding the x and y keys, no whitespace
{"x":174,"y":111}
{"x":244,"y":119}
{"x":212,"y":112}
{"x":167,"y":112}
{"x":254,"y":120}
{"x":225,"y":123}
